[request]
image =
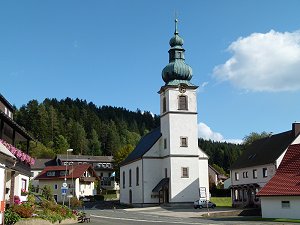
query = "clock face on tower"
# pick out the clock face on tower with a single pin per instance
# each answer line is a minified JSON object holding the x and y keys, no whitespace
{"x":182,"y":89}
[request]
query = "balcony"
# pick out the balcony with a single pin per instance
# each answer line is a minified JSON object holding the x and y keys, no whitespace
{"x":87,"y":179}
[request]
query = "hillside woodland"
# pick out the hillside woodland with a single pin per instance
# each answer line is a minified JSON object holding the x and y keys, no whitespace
{"x":58,"y":125}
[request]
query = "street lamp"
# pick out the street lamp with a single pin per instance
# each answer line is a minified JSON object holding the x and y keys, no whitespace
{"x":65,"y":183}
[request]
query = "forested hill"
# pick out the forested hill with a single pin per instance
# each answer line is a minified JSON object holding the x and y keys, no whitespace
{"x":221,"y":154}
{"x":85,"y":127}
{"x":61,"y":124}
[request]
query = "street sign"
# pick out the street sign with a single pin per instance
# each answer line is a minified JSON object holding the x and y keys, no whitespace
{"x":65,"y":184}
{"x":203,"y":192}
{"x":64,"y":190}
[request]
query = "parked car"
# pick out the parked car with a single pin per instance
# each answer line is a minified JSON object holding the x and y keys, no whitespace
{"x":203,"y":204}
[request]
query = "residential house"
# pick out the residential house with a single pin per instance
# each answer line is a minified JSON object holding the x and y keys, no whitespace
{"x":79,"y":179}
{"x":215,"y":176}
{"x":258,"y":164}
{"x":16,"y":162}
{"x":103,"y":165}
{"x":280,"y":197}
{"x":37,"y":168}
{"x":167,"y":166}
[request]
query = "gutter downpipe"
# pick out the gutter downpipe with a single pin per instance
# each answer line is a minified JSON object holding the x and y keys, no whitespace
{"x":143,"y":182}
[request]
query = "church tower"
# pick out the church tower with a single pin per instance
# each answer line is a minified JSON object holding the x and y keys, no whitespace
{"x":178,"y":119}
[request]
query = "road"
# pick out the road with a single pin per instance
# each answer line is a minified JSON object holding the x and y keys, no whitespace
{"x":158,"y":215}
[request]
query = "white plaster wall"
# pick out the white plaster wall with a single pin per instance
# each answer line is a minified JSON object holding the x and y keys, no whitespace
{"x":2,"y":191}
{"x":259,"y":180}
{"x":81,"y":190}
{"x":172,"y":94}
{"x":34,"y":182}
{"x":203,"y":175}
{"x":184,"y":189}
{"x":137,"y":196}
{"x":153,"y":174}
{"x":271,"y":207}
{"x":18,"y":186}
{"x":157,"y":149}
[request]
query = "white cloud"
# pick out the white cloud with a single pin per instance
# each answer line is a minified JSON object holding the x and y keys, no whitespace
{"x":206,"y":133}
{"x":263,"y":62}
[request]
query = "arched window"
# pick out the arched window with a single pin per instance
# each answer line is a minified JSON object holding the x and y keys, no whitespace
{"x":129,"y":178}
{"x":130,"y":196}
{"x":123,"y":179}
{"x":164,"y":104}
{"x":137,"y":176}
{"x":182,"y":102}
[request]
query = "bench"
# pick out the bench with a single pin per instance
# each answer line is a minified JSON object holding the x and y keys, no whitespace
{"x":84,"y":218}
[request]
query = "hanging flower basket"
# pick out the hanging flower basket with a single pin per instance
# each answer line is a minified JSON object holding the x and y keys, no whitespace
{"x":18,"y":153}
{"x":24,"y":192}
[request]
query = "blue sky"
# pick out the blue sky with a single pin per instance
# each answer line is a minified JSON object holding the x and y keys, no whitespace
{"x":245,"y":57}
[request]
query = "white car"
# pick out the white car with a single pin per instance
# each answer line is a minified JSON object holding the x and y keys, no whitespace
{"x":203,"y":204}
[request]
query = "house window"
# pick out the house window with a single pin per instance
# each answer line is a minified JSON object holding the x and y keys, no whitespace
{"x":5,"y":110}
{"x":55,"y":186}
{"x":237,"y":177}
{"x":123,"y":179}
{"x":245,"y":174}
{"x":137,"y":176}
{"x":255,"y":173}
{"x":183,"y":141}
{"x":24,"y":184}
{"x":265,"y":172}
{"x":182,"y":102}
{"x":165,"y":143}
{"x":184,"y":172}
{"x":101,"y":174}
{"x":166,"y":172}
{"x":285,"y":204}
{"x":51,"y":174}
{"x":63,"y":173}
{"x":129,"y":178}
{"x":164,"y":104}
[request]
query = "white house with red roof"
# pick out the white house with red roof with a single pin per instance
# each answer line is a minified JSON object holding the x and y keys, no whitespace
{"x":79,"y":179}
{"x":280,"y":197}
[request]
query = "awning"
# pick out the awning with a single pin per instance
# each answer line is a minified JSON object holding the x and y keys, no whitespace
{"x":163,"y":183}
{"x":5,"y":151}
{"x":244,"y":186}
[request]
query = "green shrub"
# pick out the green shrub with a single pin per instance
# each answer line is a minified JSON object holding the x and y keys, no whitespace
{"x":10,"y":217}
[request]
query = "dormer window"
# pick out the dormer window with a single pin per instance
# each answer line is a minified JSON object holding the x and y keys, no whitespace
{"x":51,"y":174}
{"x":182,"y":102}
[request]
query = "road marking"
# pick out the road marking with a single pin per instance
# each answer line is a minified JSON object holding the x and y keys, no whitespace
{"x":149,"y":221}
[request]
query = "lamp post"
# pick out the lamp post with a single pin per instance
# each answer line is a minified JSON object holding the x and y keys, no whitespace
{"x":65,"y":185}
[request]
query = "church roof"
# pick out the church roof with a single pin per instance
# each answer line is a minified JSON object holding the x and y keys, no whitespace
{"x":144,"y":145}
{"x":265,"y":150}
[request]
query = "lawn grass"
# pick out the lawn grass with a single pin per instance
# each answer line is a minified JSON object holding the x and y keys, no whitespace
{"x":108,"y":197}
{"x":222,"y":201}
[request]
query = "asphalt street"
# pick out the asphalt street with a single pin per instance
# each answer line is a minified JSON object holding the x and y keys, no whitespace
{"x":166,"y":216}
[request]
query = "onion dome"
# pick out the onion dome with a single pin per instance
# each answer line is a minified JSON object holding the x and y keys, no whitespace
{"x":177,"y":71}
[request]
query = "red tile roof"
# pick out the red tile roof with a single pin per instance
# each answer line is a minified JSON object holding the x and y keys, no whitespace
{"x":287,"y":178}
{"x":75,"y":171}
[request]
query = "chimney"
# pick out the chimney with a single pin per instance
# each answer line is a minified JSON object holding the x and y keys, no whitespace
{"x":296,"y":128}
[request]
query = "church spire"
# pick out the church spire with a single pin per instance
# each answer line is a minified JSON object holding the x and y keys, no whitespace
{"x":177,"y":71}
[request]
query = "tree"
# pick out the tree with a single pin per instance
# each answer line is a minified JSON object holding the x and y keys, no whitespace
{"x":77,"y":138}
{"x":94,"y":144}
{"x":120,"y":156}
{"x":61,"y":144}
{"x":254,"y":136}
{"x":38,"y":150}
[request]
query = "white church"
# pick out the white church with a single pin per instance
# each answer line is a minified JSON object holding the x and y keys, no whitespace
{"x":167,"y":166}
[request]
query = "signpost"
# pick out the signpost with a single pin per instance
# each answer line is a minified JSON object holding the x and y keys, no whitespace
{"x":64,"y":192}
{"x":203,"y":194}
